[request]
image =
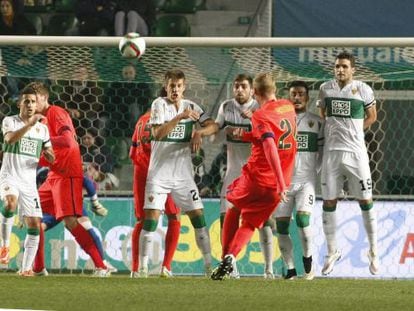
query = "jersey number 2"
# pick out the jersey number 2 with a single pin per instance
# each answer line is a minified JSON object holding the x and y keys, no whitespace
{"x":286,"y":127}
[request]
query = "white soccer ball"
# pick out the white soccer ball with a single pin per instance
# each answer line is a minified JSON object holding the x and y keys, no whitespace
{"x":132,"y":46}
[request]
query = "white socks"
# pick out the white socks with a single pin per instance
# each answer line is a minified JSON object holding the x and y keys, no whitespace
{"x":329,"y":228}
{"x":31,"y":244}
{"x":145,"y":242}
{"x":370,"y":223}
{"x":266,"y":244}
{"x":286,"y":248}
{"x":202,"y":238}
{"x":6,"y":229}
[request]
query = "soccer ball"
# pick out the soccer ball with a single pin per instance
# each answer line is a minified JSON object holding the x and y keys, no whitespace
{"x":132,"y":46}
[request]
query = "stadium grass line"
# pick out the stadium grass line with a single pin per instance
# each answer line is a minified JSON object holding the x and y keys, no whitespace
{"x":119,"y":292}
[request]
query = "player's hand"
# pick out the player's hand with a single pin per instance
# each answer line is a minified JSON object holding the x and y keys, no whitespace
{"x":234,"y":132}
{"x":247,"y":114}
{"x":196,"y":141}
{"x":283,"y":196}
{"x":34,"y":119}
{"x":49,"y":155}
{"x":190,"y":114}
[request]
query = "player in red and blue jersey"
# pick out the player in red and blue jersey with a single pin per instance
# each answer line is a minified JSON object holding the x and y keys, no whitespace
{"x":265,"y":177}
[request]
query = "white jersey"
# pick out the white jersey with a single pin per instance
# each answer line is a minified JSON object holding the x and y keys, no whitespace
{"x":310,"y":139}
{"x":21,"y":158}
{"x":345,"y":113}
{"x":230,"y":114}
{"x":171,"y":157}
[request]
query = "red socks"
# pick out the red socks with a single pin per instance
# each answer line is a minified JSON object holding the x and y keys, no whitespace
{"x":39,"y":261}
{"x":230,"y":226}
{"x":171,"y":241}
{"x":135,"y":246}
{"x":241,"y":238}
{"x":86,"y":242}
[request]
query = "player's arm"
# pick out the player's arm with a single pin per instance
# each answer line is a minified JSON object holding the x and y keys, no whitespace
{"x":65,"y":139}
{"x":272,"y":157}
{"x":159,"y":131}
{"x":13,"y":136}
{"x":49,"y":154}
{"x":209,"y":127}
{"x":370,"y":115}
{"x":134,"y":144}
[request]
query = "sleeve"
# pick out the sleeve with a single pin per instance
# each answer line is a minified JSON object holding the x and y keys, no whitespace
{"x":321,"y":142}
{"x":46,"y":138}
{"x":321,"y":98}
{"x":368,"y":95}
{"x":260,"y":127}
{"x":220,"y":116}
{"x":60,"y":121}
{"x":272,"y":157}
{"x":157,"y":114}
{"x":134,"y":143}
{"x":203,"y":115}
{"x":89,"y":186}
{"x":7,"y":126}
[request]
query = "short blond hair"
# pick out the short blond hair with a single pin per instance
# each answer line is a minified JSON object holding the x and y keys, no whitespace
{"x":264,"y":84}
{"x":39,"y":87}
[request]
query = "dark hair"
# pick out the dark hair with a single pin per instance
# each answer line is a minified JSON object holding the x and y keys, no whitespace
{"x":242,"y":76}
{"x":299,"y":83}
{"x":28,"y":90}
{"x":174,"y":74}
{"x":348,"y":56}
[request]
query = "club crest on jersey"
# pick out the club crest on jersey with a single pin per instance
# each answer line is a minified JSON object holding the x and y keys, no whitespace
{"x":341,"y":108}
{"x":354,"y":91}
{"x":6,"y":188}
{"x":151,"y":198}
{"x":311,"y":123}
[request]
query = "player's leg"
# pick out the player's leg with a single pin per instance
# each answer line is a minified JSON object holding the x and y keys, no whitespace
{"x":188,"y":199}
{"x":230,"y":226}
{"x":172,"y":235}
{"x":9,"y":198}
{"x":68,"y":199}
{"x":138,"y":187}
{"x":31,"y":244}
{"x":29,"y":209}
{"x":305,"y":205}
{"x":331,"y":182}
{"x":48,"y":222}
{"x":241,"y":238}
{"x":256,"y":204}
{"x":359,"y":177}
{"x":283,"y":216}
{"x":155,"y":198}
{"x":266,"y":245}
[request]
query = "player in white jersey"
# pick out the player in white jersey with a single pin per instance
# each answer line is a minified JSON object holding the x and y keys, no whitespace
{"x":302,"y":189}
{"x":24,"y":141}
{"x":236,"y":113}
{"x":348,"y":107}
{"x":170,"y":169}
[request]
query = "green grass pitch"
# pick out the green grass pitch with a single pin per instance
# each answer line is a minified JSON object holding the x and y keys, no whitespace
{"x":119,"y":292}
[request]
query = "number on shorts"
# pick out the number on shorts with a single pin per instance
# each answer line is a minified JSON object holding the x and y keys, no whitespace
{"x":194,"y":195}
{"x":310,"y":199}
{"x":287,"y":128}
{"x":37,"y":203}
{"x":367,"y":185}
